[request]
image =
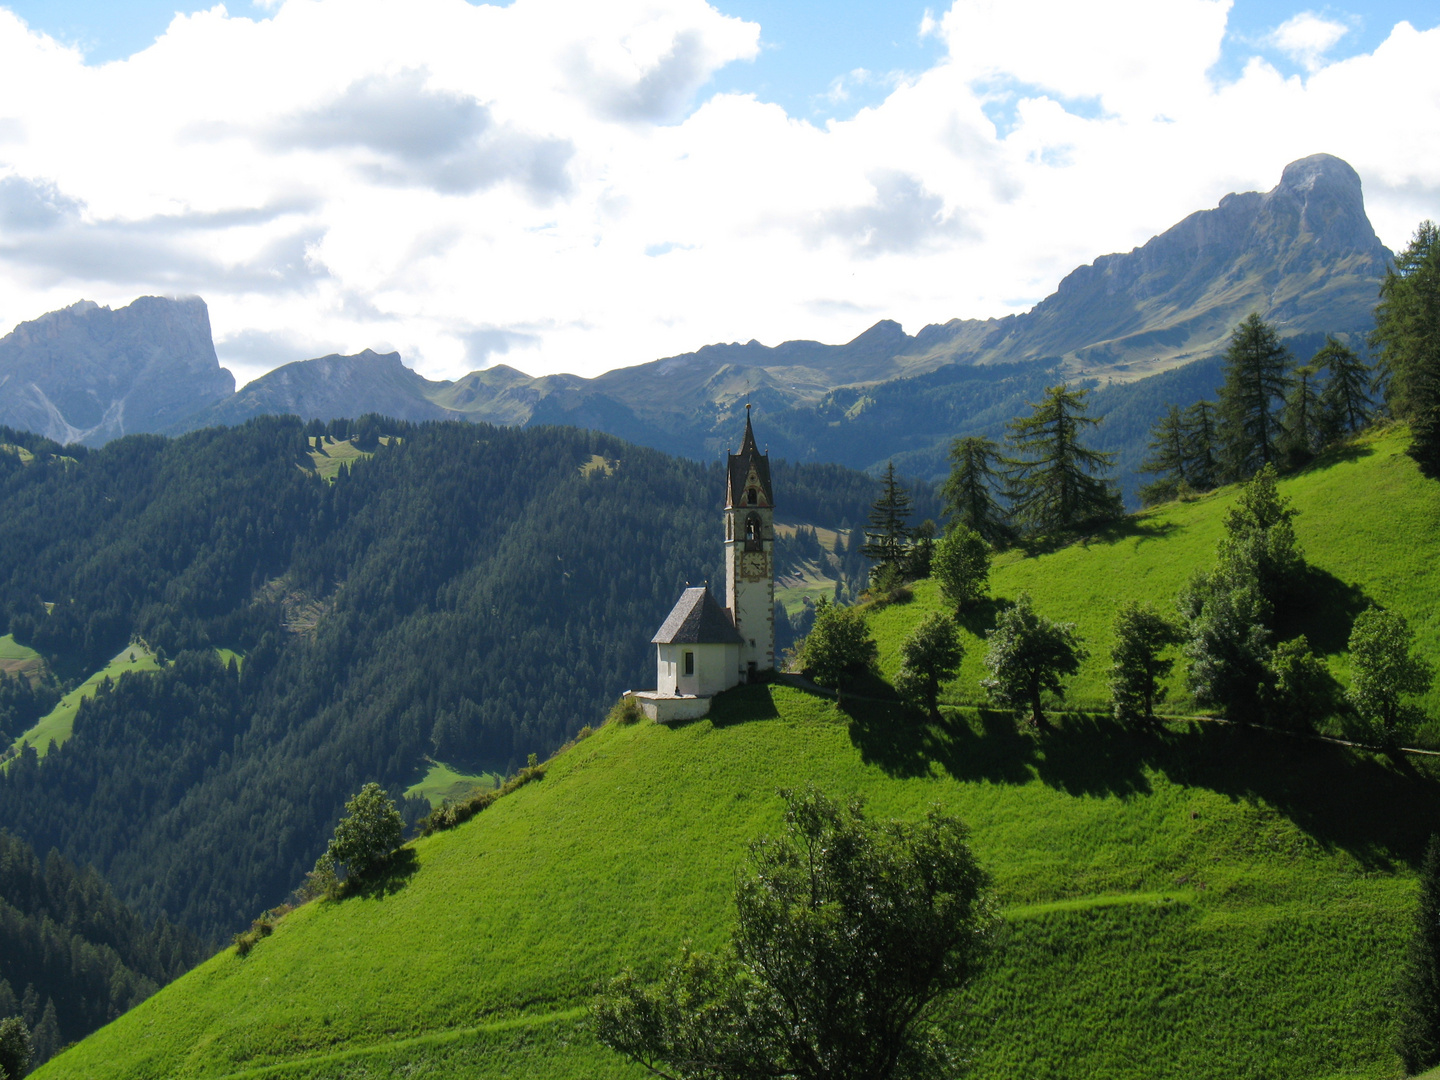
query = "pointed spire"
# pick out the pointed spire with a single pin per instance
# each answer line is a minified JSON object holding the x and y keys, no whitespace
{"x":747,"y":445}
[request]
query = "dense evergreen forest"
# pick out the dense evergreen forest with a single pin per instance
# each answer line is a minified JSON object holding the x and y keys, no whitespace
{"x":471,"y":592}
{"x":72,"y":957}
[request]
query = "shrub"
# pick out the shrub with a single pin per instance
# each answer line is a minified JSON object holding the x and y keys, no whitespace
{"x":839,"y":646}
{"x":961,"y":565}
{"x":625,"y":711}
{"x":1383,"y":669}
{"x":1300,"y":692}
{"x":370,"y":830}
{"x":15,"y":1048}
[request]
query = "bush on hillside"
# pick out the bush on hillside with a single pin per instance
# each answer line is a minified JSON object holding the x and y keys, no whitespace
{"x":1028,"y":656}
{"x":961,"y":565}
{"x":1141,"y":635}
{"x":839,"y":646}
{"x":1384,"y":669}
{"x":849,"y":933}
{"x":15,"y":1048}
{"x":928,"y":657}
{"x":625,"y":711}
{"x":1300,"y":691}
{"x":370,"y":830}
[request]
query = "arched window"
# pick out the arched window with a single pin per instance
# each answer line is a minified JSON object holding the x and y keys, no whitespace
{"x":753,"y":533}
{"x":752,"y":497}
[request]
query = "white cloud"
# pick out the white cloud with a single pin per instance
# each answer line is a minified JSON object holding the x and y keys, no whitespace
{"x":547,"y":182}
{"x":1307,"y":37}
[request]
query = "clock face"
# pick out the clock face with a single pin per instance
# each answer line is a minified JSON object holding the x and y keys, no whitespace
{"x":754,"y":564}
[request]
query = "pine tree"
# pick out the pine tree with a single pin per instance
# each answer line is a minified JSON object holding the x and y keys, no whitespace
{"x":1257,"y":367}
{"x":1346,"y":397}
{"x":969,"y":491}
{"x":1419,"y":1039}
{"x":1407,"y":333}
{"x":1055,"y":483}
{"x":46,"y":1035}
{"x":1303,"y":418}
{"x":1202,"y":464}
{"x":1167,"y":458}
{"x":888,"y":538}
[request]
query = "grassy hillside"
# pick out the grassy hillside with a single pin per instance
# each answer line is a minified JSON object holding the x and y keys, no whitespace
{"x":55,"y":727}
{"x":1204,"y":901}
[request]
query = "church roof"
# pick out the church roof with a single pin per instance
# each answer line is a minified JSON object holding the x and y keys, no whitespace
{"x":739,"y":469}
{"x":696,"y":619}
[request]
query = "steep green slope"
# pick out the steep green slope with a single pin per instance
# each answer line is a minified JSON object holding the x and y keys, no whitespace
{"x":1205,"y":901}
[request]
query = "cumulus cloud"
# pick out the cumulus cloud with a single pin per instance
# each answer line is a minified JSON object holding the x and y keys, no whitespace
{"x":551,"y":181}
{"x":1307,"y":37}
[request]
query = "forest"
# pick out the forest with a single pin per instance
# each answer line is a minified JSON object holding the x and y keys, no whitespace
{"x":468,"y":592}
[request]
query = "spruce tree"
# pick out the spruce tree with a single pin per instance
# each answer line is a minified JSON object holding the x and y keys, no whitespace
{"x":888,"y":538}
{"x":1419,"y":1039}
{"x":1407,"y":333}
{"x":1167,"y":458}
{"x":1257,"y":377}
{"x":969,"y":491}
{"x":1349,"y":380}
{"x":1202,"y":460}
{"x":1055,"y":483}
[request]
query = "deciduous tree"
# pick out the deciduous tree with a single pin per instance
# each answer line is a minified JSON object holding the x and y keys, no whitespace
{"x":928,"y":657}
{"x":1141,"y":635}
{"x":1028,"y":655}
{"x":16,"y":1049}
{"x":849,"y":935}
{"x":961,"y":564}
{"x":839,"y":646}
{"x":1383,"y":667}
{"x":370,"y":830}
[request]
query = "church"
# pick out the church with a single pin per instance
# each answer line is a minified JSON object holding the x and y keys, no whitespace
{"x":702,"y":648}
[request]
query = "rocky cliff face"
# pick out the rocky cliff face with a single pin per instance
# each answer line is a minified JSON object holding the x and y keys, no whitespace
{"x":89,"y":374}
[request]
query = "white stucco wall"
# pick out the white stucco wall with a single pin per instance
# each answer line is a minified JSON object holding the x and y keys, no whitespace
{"x":716,"y":668}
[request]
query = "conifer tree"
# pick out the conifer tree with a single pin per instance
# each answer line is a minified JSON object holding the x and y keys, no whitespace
{"x":969,"y":491}
{"x":46,"y":1036}
{"x":1303,"y":417}
{"x":1419,"y":1038}
{"x":1257,"y":377}
{"x":888,"y":538}
{"x":1407,"y":333}
{"x":1055,"y":483}
{"x":1202,"y":462}
{"x":1168,"y":458}
{"x":1349,"y":380}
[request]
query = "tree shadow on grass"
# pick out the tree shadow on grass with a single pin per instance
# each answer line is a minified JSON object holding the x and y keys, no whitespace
{"x":1126,"y":528}
{"x":1323,"y":609}
{"x":1379,"y":810}
{"x":980,"y":615}
{"x":395,"y":876}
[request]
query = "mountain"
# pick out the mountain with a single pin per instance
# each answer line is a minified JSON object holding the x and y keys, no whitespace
{"x":1302,"y":255}
{"x":461,"y":592}
{"x":87,"y":374}
{"x":1199,"y":901}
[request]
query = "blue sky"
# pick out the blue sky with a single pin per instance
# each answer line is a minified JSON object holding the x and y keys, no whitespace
{"x":575,"y":185}
{"x":807,"y":45}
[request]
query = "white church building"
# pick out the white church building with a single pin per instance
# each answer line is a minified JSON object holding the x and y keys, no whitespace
{"x":702,"y":648}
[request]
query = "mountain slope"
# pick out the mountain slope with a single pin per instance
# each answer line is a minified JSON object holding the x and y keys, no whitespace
{"x":88,"y":374}
{"x":1218,"y":902}
{"x":1302,"y":255}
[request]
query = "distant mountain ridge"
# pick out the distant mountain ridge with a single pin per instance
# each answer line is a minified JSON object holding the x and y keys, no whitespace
{"x":1303,"y":255}
{"x":89,"y":374}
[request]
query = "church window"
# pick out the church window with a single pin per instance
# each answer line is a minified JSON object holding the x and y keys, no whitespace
{"x":751,"y":497}
{"x":752,"y":533}
{"x":689,"y":663}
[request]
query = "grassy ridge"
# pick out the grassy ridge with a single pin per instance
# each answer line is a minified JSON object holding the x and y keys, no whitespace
{"x":1200,"y":901}
{"x":55,"y":727}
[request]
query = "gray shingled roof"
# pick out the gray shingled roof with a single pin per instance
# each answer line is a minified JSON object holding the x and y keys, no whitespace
{"x":696,"y":619}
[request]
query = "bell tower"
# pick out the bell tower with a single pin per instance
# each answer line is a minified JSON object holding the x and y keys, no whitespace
{"x":749,"y":554}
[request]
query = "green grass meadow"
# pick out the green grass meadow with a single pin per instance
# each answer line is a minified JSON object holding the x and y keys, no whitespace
{"x":1201,"y":901}
{"x":441,"y":782}
{"x":55,"y":727}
